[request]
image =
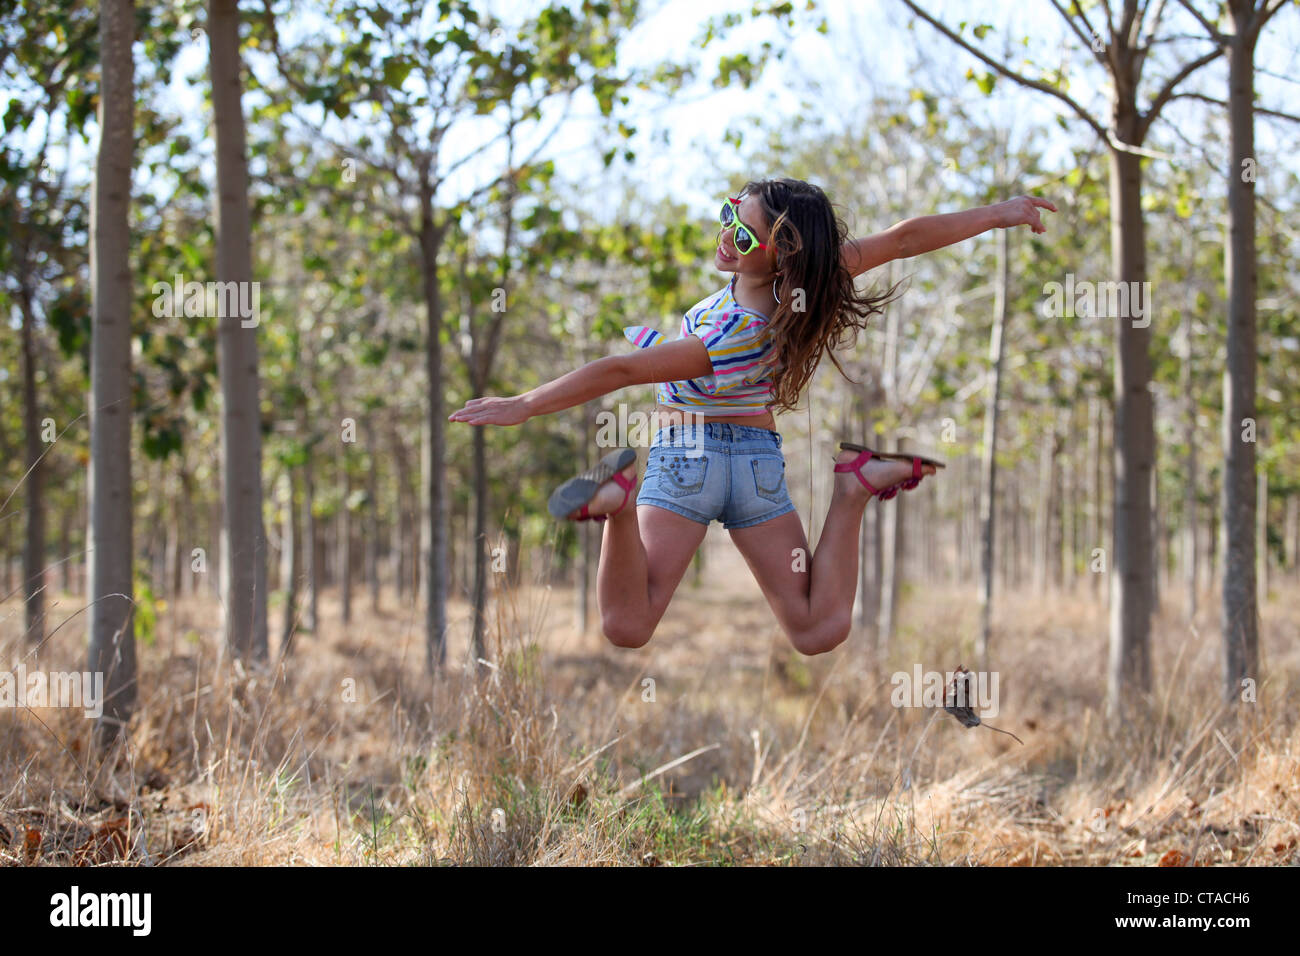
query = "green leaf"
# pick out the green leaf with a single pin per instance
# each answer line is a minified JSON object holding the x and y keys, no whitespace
{"x":396,"y":70}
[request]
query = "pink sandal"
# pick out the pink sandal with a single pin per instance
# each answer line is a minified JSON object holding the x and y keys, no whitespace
{"x":884,"y":494}
{"x":580,"y":489}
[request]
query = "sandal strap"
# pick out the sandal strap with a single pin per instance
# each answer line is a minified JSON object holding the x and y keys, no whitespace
{"x":627,"y":484}
{"x":884,"y":494}
{"x":855,"y":466}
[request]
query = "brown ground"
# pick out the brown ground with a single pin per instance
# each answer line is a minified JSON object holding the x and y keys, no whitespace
{"x":796,"y":760}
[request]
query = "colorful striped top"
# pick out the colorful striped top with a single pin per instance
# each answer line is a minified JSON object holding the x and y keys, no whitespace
{"x":736,"y":339}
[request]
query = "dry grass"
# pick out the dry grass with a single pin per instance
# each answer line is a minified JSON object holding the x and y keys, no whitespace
{"x":350,"y":755}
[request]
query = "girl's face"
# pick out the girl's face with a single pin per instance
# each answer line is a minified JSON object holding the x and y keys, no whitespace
{"x":760,"y":262}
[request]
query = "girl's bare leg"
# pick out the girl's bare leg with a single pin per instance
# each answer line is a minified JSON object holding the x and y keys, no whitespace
{"x":812,"y":595}
{"x":643,"y":555}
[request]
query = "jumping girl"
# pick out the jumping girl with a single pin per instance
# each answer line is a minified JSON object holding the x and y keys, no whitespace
{"x":744,"y":351}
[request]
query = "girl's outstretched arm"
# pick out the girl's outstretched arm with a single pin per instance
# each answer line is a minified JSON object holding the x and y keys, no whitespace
{"x":912,"y":237}
{"x":670,"y":362}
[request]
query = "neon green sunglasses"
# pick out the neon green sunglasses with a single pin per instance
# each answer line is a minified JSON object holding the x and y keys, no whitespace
{"x":744,"y":240}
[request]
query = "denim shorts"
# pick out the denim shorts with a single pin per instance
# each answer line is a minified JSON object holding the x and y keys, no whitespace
{"x":716,"y":470}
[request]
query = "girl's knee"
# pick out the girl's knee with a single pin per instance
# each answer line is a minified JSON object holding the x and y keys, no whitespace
{"x":624,"y":633}
{"x":825,"y":636}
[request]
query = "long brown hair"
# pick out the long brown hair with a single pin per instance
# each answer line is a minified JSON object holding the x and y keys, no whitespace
{"x":820,"y":309}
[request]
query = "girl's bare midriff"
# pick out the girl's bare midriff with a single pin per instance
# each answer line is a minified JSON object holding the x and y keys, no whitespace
{"x":675,"y":416}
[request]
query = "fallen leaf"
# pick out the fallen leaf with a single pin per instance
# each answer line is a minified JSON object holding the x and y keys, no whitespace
{"x":105,"y":845}
{"x":1173,"y":858}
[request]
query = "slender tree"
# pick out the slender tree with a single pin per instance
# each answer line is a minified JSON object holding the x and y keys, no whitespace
{"x":989,"y":467}
{"x":1240,"y":612}
{"x":243,"y":550}
{"x":112,"y":622}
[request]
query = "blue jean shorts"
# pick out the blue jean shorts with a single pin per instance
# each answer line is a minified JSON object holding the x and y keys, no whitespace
{"x":715,"y":470}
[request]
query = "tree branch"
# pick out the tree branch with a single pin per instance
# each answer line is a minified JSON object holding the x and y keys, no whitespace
{"x":1149,"y":117}
{"x":1209,"y":27}
{"x":1129,"y":24}
{"x":1265,"y":13}
{"x":1084,"y":39}
{"x":1257,"y":109}
{"x":1009,"y":74}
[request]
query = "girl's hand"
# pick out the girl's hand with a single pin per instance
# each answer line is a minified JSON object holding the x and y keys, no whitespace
{"x":1022,"y":211}
{"x":491,"y":410}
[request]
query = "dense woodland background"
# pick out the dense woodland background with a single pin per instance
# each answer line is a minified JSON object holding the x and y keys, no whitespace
{"x":424,"y":228}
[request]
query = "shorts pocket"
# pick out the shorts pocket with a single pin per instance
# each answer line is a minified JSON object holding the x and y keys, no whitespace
{"x":769,"y":478}
{"x":681,"y":475}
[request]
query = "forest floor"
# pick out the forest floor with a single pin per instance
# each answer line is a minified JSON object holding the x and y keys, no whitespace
{"x":349,"y":754}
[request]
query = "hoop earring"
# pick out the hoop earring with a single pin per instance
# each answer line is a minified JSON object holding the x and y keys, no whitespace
{"x":774,"y":294}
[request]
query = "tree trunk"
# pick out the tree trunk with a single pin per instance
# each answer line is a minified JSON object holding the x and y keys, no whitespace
{"x":431,"y":236}
{"x":1069,"y":505}
{"x":1129,"y":671}
{"x":344,"y":544}
{"x":1156,"y":536}
{"x":869,"y":562}
{"x":480,"y":543}
{"x":372,"y":527}
{"x":1187,"y":378}
{"x":890,"y":573}
{"x":65,"y":550}
{"x":1261,"y":537}
{"x":290,"y":559}
{"x":1214,"y":558}
{"x":405,"y":528}
{"x":397,"y":549}
{"x":1043,"y":546}
{"x":1291,"y":538}
{"x":110,"y":590}
{"x":1095,"y":493}
{"x":989,"y":468}
{"x":311,"y":562}
{"x":584,"y":569}
{"x":243,"y":559}
{"x":1017,"y":528}
{"x":213,"y":552}
{"x":6,"y":559}
{"x":34,"y":542}
{"x":1239,"y":612}
{"x":585,"y":566}
{"x":894,"y":556}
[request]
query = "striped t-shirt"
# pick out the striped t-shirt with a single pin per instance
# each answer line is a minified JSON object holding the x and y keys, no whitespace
{"x":737,"y":340}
